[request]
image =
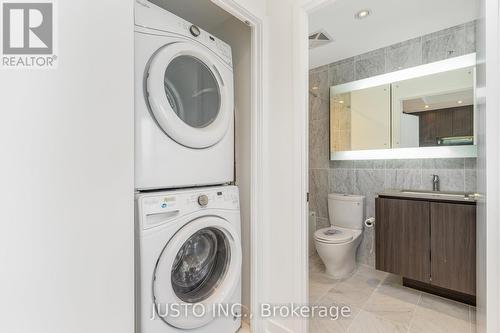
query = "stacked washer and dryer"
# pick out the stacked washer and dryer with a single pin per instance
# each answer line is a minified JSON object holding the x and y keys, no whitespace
{"x":188,"y":248}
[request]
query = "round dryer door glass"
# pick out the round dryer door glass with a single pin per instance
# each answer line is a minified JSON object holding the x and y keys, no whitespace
{"x":200,"y":265}
{"x":192,"y":91}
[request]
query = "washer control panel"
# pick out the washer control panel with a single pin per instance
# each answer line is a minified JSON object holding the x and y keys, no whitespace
{"x":186,"y":201}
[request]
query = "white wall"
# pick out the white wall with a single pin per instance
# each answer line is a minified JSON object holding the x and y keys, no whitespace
{"x":66,"y":137}
{"x":66,"y":246}
{"x":283,"y":267}
{"x":256,"y":7}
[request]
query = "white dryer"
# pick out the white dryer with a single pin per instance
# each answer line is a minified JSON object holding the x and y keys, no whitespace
{"x":188,"y":258}
{"x":184,"y":103}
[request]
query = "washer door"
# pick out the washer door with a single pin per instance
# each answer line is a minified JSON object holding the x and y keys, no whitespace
{"x":198,"y":269}
{"x":188,"y":95}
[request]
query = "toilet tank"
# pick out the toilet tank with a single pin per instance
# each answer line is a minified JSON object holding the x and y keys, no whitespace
{"x":346,"y":210}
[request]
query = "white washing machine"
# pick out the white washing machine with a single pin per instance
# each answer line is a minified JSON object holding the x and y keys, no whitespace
{"x":188,"y":259}
{"x":184,"y":103}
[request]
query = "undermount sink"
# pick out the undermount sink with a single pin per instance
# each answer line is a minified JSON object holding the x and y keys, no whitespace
{"x":464,"y":195}
{"x":430,"y":195}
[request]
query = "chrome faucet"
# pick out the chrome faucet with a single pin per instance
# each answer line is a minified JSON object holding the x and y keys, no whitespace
{"x":435,"y":183}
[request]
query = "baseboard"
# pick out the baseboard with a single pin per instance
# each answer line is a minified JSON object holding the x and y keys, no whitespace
{"x":443,"y":292}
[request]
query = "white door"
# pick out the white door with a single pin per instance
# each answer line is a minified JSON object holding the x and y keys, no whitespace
{"x":200,"y":266}
{"x":189,"y":95}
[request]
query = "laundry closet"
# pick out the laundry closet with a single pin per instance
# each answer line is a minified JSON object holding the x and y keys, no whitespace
{"x":192,"y":166}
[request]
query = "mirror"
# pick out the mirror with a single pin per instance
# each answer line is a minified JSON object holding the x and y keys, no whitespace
{"x":361,"y":119}
{"x":429,"y":106}
{"x":434,"y":110}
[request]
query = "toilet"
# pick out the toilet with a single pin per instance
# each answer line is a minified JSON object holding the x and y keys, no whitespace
{"x":337,"y":244}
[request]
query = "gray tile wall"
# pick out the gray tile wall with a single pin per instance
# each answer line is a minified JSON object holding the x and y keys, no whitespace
{"x":440,"y":45}
{"x":370,"y":177}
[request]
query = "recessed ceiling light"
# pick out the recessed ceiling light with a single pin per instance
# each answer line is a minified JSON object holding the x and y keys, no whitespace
{"x":427,"y":106}
{"x":364,"y":13}
{"x":459,"y":102}
{"x":341,"y":102}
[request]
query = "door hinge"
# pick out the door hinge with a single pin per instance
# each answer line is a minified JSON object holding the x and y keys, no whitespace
{"x":307,"y":196}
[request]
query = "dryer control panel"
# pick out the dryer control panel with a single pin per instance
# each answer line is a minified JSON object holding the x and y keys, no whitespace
{"x":148,"y":15}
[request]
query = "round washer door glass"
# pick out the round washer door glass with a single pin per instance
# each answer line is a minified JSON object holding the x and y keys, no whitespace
{"x":200,"y":265}
{"x":192,"y":91}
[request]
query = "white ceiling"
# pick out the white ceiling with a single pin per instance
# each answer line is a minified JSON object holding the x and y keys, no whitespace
{"x":391,"y":21}
{"x":203,"y":13}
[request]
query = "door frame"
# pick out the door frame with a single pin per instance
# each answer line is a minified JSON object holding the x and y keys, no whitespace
{"x":256,"y":22}
{"x":488,"y":159}
{"x":488,"y":164}
{"x":301,"y":11}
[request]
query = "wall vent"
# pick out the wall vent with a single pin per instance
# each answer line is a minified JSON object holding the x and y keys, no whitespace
{"x":319,"y":38}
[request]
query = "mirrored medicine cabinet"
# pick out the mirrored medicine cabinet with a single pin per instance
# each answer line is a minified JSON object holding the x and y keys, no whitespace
{"x":426,"y":111}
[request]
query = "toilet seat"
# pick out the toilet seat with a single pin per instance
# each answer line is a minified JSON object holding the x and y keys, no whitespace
{"x":340,"y":236}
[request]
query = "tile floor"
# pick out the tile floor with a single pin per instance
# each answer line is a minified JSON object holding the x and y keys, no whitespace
{"x":380,"y":304}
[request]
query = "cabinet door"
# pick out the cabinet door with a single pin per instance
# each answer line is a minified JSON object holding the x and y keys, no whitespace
{"x":402,"y":238}
{"x":453,"y":247}
{"x":428,"y":129}
{"x":444,"y":123}
{"x":463,"y":121}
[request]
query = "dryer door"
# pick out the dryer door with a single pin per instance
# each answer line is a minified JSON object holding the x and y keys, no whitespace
{"x":190,"y":94}
{"x":198,"y":270}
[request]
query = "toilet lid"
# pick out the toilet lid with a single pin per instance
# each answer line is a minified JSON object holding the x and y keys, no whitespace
{"x":333,"y":235}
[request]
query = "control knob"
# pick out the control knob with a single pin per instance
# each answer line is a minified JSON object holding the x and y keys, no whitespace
{"x":203,"y":200}
{"x":195,"y":31}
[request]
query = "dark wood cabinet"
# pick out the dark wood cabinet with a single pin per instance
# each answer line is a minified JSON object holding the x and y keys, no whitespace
{"x":427,"y":129}
{"x":453,"y":247}
{"x":402,"y":239}
{"x":444,"y":123}
{"x":431,"y":244}
{"x":463,"y":122}
{"x":458,"y":121}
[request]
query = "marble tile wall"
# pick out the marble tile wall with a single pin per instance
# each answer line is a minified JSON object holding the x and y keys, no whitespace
{"x":370,"y":177}
{"x":440,"y":45}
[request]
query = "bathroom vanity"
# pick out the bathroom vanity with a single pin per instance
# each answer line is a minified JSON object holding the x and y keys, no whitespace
{"x":428,"y":238}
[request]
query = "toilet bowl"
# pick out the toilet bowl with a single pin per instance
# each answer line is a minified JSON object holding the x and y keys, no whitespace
{"x":339,"y":257}
{"x":337,"y":244}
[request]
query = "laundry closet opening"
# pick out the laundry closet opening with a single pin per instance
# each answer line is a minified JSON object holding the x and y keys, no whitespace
{"x":224,"y":26}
